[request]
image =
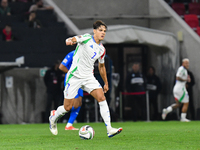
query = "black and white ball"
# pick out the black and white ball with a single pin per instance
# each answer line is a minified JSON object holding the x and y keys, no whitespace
{"x":86,"y":132}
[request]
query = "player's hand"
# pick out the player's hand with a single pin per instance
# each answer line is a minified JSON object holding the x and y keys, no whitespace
{"x":69,"y":41}
{"x":105,"y":88}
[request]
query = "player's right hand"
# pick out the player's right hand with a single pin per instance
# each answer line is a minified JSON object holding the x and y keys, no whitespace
{"x":69,"y":41}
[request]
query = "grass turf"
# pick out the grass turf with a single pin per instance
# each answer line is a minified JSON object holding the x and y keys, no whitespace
{"x":163,"y":135}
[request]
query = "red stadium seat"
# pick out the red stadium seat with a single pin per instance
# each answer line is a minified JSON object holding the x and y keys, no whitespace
{"x":192,"y":20}
{"x":179,"y":8}
{"x":194,"y":8}
{"x":198,"y":31}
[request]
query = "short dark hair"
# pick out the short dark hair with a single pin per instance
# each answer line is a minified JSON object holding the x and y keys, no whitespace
{"x":98,"y":23}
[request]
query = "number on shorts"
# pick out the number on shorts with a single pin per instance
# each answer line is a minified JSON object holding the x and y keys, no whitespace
{"x":68,"y":85}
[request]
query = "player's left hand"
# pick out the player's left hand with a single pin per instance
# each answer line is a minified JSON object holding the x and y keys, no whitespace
{"x":105,"y":88}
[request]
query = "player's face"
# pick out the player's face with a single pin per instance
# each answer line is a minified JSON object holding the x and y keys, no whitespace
{"x":186,"y":64}
{"x":100,"y":33}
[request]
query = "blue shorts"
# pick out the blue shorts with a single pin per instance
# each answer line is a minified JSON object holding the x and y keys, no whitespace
{"x":80,"y":93}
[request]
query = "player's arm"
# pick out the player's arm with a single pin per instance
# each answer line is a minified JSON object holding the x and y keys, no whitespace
{"x":102,"y":71}
{"x":78,"y":39}
{"x":63,"y":68}
{"x":71,"y":41}
{"x":182,"y":80}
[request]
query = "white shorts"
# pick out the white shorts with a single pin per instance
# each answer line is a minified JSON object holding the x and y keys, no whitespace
{"x":74,"y":83}
{"x":181,"y":94}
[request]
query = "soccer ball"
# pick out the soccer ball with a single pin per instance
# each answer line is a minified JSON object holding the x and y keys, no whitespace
{"x":86,"y":132}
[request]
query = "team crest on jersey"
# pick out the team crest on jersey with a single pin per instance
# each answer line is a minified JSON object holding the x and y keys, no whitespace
{"x":65,"y":60}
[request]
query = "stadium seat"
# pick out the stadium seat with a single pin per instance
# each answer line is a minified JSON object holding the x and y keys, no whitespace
{"x":19,"y":7}
{"x":179,"y":8}
{"x":198,"y":31}
{"x":192,"y":20}
{"x":194,"y":8}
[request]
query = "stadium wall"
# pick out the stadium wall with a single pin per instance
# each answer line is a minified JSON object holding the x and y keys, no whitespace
{"x":189,"y":46}
{"x":23,"y":100}
{"x":83,"y":13}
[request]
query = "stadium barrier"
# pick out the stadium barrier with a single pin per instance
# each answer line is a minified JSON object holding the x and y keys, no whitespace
{"x":135,"y":93}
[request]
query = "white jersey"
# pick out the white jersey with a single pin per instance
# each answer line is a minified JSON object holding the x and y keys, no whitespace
{"x":86,"y":53}
{"x":182,"y":73}
{"x":179,"y":91}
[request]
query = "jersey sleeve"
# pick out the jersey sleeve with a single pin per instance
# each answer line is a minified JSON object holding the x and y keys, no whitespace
{"x":180,"y":73}
{"x":67,"y":61}
{"x":83,"y":38}
{"x":101,"y":59}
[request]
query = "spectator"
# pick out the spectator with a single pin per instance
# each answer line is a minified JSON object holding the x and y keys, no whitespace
{"x":4,"y":8}
{"x":33,"y":22}
{"x":189,"y":86}
{"x":53,"y":81}
{"x":7,"y":34}
{"x":39,"y":6}
{"x":154,"y":88}
{"x":135,"y":82}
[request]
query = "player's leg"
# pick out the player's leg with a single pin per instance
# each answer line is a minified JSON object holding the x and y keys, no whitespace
{"x":56,"y":114}
{"x":185,"y":102}
{"x":105,"y":112}
{"x":74,"y":113}
{"x":71,"y":90}
{"x":178,"y":95}
{"x":170,"y":108}
{"x":184,"y":112}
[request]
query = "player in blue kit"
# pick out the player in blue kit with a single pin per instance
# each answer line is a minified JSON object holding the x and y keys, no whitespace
{"x":65,"y":66}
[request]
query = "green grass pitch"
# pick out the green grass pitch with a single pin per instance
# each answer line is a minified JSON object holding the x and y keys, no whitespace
{"x":163,"y":135}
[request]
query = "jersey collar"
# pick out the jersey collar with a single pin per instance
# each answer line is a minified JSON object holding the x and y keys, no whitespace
{"x":95,"y":41}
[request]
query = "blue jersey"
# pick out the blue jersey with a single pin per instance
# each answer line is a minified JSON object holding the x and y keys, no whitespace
{"x":67,"y":62}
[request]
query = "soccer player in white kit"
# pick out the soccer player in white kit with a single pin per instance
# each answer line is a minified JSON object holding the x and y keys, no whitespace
{"x":180,"y":92}
{"x":80,"y":75}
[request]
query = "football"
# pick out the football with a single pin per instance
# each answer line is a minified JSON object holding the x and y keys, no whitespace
{"x":86,"y":132}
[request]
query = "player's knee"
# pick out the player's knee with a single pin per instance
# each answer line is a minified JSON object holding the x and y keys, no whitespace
{"x":101,"y":98}
{"x":68,"y":107}
{"x":75,"y":103}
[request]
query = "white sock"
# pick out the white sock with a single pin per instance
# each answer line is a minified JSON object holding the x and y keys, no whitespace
{"x":183,"y":115}
{"x":59,"y":113}
{"x":169,"y":109}
{"x":105,"y":113}
{"x":68,"y":125}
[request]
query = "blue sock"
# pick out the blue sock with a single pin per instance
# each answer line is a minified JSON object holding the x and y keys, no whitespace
{"x":73,"y":114}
